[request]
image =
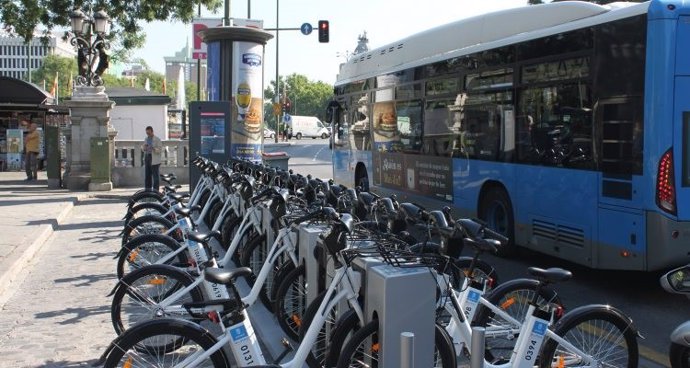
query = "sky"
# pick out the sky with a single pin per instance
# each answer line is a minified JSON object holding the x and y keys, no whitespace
{"x":384,"y":21}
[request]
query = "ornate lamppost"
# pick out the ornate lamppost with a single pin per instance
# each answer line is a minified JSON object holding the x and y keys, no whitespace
{"x":89,"y":39}
{"x":90,"y":136}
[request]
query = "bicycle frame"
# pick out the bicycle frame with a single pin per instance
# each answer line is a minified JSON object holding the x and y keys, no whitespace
{"x":345,"y":286}
{"x":532,"y":333}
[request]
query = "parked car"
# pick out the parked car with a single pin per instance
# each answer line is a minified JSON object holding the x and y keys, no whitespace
{"x":269,"y":133}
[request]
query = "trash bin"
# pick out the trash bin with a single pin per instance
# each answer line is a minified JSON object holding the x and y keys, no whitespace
{"x":279,"y":160}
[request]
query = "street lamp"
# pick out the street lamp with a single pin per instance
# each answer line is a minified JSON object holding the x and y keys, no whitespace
{"x":89,"y":39}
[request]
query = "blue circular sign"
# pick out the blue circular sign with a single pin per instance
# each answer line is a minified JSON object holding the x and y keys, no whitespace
{"x":306,"y":28}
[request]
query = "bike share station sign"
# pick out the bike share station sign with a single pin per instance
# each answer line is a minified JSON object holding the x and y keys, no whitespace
{"x":230,"y":124}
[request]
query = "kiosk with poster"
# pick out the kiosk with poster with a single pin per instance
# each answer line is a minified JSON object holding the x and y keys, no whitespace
{"x":230,"y":124}
{"x":209,"y":122}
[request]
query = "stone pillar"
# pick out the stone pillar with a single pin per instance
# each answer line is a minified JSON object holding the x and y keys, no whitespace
{"x":90,"y":112}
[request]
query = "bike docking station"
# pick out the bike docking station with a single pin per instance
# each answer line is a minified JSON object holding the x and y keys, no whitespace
{"x":403,"y":299}
{"x":308,"y":238}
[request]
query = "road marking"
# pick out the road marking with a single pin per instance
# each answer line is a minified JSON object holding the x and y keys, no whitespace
{"x":317,"y":153}
{"x":654,"y":356}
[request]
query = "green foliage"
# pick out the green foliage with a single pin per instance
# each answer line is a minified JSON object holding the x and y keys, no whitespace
{"x":307,"y":97}
{"x":24,"y":16}
{"x":54,"y":65}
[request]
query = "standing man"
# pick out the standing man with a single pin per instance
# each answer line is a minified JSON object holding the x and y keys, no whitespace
{"x":31,"y":159}
{"x":152,"y":148}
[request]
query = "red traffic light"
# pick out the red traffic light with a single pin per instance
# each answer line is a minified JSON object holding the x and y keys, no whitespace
{"x":323,"y":31}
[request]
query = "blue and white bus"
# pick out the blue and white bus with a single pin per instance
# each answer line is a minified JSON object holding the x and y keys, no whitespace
{"x":566,"y":126}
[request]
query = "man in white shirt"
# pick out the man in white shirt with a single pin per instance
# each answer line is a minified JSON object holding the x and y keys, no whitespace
{"x":152,"y":149}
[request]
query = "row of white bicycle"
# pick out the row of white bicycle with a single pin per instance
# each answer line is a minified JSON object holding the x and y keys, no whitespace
{"x":177,"y":302}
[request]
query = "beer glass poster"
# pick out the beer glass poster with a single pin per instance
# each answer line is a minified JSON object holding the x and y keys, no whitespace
{"x":247,"y":99}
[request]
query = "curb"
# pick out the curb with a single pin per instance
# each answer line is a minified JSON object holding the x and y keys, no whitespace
{"x":9,"y":275}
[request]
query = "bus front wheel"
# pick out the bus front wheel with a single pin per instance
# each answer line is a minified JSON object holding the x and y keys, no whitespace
{"x":497,"y":211}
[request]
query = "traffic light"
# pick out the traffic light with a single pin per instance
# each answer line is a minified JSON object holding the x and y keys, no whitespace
{"x":323,"y":31}
{"x":286,"y":105}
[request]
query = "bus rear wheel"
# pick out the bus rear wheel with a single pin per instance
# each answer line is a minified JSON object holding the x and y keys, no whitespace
{"x":496,"y":210}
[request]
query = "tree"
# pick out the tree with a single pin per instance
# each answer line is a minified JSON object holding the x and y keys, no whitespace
{"x":22,"y":17}
{"x":59,"y":66}
{"x":307,"y":97}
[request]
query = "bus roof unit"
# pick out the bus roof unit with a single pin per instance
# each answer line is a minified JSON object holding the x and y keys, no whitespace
{"x":483,"y":32}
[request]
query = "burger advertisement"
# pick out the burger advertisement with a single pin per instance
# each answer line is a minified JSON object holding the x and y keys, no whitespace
{"x":247,"y":93}
{"x":385,"y":125}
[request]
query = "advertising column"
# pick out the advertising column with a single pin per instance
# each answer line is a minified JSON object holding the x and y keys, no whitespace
{"x":247,"y":97}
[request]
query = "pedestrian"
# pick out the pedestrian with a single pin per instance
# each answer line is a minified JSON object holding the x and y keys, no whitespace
{"x":152,"y":148}
{"x":32,"y":142}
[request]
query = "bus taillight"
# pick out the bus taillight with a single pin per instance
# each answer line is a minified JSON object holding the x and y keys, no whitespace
{"x":665,"y":187}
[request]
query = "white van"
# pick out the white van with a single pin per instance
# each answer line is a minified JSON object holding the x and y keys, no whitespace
{"x":308,"y":126}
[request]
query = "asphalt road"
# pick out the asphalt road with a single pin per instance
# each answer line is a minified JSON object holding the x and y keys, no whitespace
{"x":655,"y":313}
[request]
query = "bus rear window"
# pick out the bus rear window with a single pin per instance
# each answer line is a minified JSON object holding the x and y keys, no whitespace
{"x":686,"y":149}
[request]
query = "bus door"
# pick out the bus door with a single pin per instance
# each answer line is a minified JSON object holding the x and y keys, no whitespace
{"x":621,"y":225}
{"x":681,"y":117}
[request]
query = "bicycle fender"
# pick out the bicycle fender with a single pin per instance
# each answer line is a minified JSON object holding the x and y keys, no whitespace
{"x":583,"y":310}
{"x":172,"y":323}
{"x":681,"y":335}
{"x":508,"y":285}
{"x":126,"y":281}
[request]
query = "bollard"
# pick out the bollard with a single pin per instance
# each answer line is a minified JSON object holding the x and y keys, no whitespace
{"x":407,"y":350}
{"x":477,"y":351}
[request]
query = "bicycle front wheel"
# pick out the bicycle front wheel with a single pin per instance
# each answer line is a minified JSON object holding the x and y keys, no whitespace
{"x":146,"y":250}
{"x":291,"y":301}
{"x":363,"y":349}
{"x":680,"y":356}
{"x":141,"y":346}
{"x":512,"y":297}
{"x":146,"y":209}
{"x":150,"y":224}
{"x":602,"y":332}
{"x":136,"y":298}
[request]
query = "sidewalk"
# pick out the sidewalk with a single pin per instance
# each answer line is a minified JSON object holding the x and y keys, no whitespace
{"x":29,"y":214}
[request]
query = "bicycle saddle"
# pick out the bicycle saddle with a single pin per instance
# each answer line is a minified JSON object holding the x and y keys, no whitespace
{"x":553,"y":274}
{"x":186,"y":212}
{"x":225,"y":277}
{"x":204,"y":237}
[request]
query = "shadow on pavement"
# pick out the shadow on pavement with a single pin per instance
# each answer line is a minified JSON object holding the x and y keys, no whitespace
{"x":86,"y":280}
{"x":91,"y":225}
{"x":79,"y":313}
{"x":94,"y":256}
{"x":34,"y":201}
{"x":66,"y":364}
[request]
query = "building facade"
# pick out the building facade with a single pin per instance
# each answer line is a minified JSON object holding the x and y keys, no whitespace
{"x":16,"y":57}
{"x":135,"y":109}
{"x":184,"y":59}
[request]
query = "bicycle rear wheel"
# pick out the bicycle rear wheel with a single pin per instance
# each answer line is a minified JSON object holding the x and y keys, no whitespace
{"x":148,"y":345}
{"x":601,"y":331}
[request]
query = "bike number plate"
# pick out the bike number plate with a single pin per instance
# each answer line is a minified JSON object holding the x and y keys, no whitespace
{"x":531,"y":344}
{"x":245,"y":345}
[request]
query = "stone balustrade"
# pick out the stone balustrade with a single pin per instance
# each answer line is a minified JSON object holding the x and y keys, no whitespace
{"x":128,"y":162}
